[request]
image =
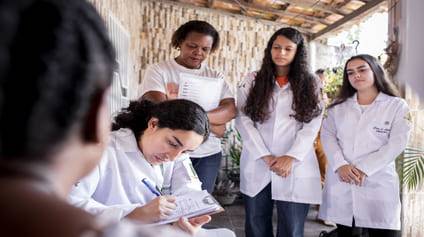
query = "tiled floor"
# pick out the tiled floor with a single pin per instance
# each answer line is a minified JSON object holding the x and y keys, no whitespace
{"x":233,"y":218}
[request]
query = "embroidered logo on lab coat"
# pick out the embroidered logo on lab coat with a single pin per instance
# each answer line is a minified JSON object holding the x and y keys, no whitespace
{"x":380,"y":130}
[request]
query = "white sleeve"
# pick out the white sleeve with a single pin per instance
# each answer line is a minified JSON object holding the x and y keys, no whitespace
{"x":330,"y":143}
{"x":252,"y":139}
{"x":184,"y":178}
{"x":305,"y":137}
{"x":82,"y":193}
{"x":153,"y":80}
{"x":399,"y":134}
{"x":226,"y":91}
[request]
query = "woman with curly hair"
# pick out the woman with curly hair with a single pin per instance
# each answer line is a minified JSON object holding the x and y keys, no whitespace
{"x":280,"y":115}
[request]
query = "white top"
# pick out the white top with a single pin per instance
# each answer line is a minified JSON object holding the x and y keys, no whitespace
{"x":158,"y":75}
{"x":280,"y":135}
{"x":363,"y":107}
{"x":115,"y":188}
{"x":371,"y":141}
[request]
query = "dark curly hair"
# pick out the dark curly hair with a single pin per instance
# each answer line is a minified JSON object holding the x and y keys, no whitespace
{"x":380,"y":80}
{"x":174,"y":114}
{"x":303,"y":84}
{"x":55,"y":62}
{"x":195,"y":26}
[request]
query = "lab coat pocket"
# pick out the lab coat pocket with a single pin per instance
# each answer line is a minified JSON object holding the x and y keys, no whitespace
{"x":378,"y":205}
{"x":253,"y":173}
{"x":379,"y":132}
{"x":307,"y":190}
{"x":308,"y":168}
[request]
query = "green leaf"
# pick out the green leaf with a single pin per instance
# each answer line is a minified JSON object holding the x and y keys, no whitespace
{"x":413,"y":167}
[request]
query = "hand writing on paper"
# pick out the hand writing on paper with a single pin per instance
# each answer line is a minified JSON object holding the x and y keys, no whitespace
{"x":157,"y":209}
{"x":349,"y":174}
{"x":283,"y":166}
{"x":172,"y":90}
{"x":193,"y":225}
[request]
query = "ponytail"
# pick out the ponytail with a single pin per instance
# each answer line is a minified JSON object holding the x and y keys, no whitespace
{"x":135,"y":117}
{"x":173,"y":114}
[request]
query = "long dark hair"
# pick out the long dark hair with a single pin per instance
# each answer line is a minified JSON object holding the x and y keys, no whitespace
{"x":55,"y":62}
{"x":174,"y":114}
{"x":303,"y":83}
{"x":380,"y":80}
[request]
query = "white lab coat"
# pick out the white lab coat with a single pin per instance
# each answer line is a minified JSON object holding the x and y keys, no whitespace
{"x":115,"y":188}
{"x":371,"y":141}
{"x":280,"y":135}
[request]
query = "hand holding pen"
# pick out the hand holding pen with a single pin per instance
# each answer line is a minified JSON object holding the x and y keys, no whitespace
{"x":159,"y":208}
{"x":152,"y":188}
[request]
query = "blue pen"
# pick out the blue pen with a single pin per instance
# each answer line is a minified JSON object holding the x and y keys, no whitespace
{"x":150,"y":187}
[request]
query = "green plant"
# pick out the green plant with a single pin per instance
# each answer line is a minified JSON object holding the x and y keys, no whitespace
{"x":232,"y":146}
{"x":333,"y":81}
{"x":235,"y":149}
{"x":412,"y":167}
{"x":229,"y":178}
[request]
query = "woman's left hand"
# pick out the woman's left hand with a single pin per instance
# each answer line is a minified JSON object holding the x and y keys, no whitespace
{"x":282,"y":166}
{"x":193,"y":225}
{"x":360,"y":174}
{"x":172,"y":91}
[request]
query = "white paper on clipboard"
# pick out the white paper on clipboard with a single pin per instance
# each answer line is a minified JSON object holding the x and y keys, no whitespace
{"x":205,"y":91}
{"x":192,"y":204}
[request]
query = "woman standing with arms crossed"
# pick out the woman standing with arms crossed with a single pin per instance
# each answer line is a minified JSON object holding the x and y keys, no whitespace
{"x":366,"y":129}
{"x":279,"y":119}
{"x":195,"y":40}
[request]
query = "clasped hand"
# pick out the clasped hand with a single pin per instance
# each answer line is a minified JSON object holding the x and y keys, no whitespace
{"x":350,"y":174}
{"x":282,"y":166}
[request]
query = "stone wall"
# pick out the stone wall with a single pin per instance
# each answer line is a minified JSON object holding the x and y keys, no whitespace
{"x":151,"y":24}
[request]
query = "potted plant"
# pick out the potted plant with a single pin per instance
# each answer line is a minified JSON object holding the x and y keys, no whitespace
{"x":226,"y":192}
{"x":234,"y":153}
{"x":228,"y":182}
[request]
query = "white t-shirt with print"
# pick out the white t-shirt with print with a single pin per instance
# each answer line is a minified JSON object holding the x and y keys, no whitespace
{"x":156,"y":78}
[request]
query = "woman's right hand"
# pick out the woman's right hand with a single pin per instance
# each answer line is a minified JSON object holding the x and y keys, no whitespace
{"x":157,"y":209}
{"x":348,"y":174}
{"x":269,"y":160}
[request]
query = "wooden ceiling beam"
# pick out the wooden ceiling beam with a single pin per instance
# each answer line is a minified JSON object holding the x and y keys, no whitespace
{"x":253,"y":7}
{"x":344,"y":20}
{"x":318,"y":6}
{"x":210,"y":3}
{"x":244,"y":8}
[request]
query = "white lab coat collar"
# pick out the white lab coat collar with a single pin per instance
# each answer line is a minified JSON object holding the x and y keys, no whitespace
{"x":125,"y":140}
{"x":380,"y":97}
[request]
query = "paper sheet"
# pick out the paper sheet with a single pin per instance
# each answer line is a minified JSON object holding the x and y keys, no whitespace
{"x":205,"y":91}
{"x":193,"y":204}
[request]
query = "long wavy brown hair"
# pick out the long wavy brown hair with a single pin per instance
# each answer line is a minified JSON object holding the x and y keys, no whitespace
{"x":380,"y":80}
{"x":303,"y":84}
